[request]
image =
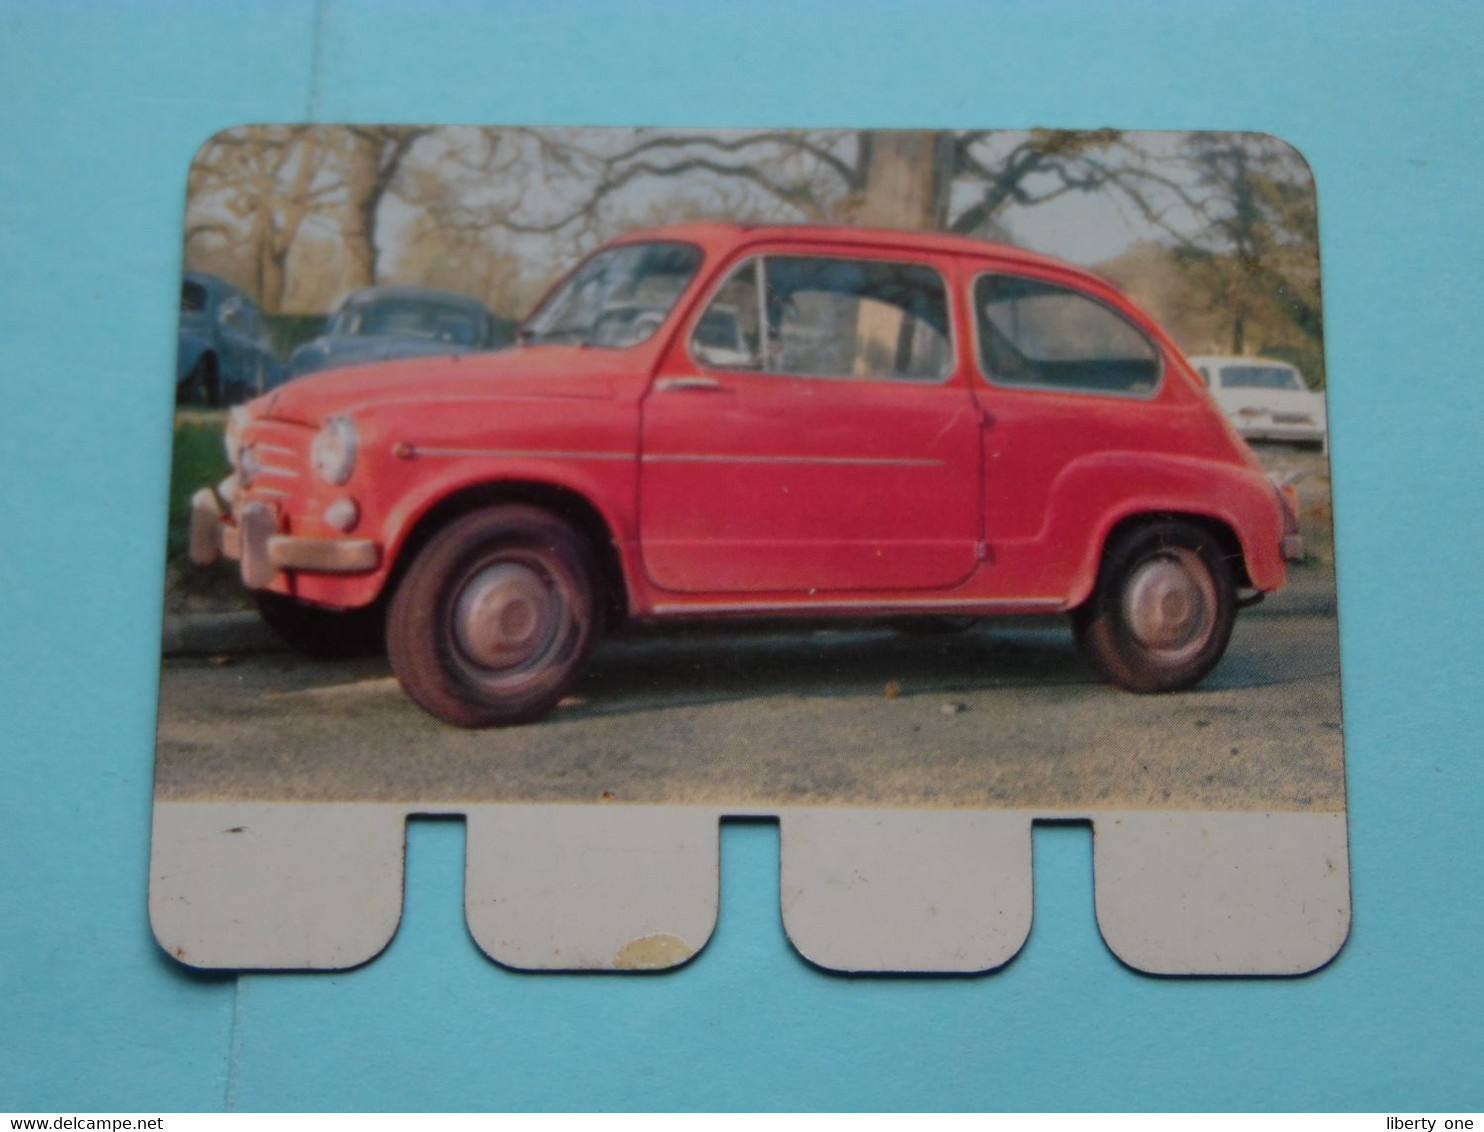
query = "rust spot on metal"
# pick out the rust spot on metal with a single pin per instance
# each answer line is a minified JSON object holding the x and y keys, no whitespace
{"x":653,"y":953}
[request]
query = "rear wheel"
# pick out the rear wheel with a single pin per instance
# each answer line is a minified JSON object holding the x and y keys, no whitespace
{"x":495,"y":617}
{"x":1162,"y":613}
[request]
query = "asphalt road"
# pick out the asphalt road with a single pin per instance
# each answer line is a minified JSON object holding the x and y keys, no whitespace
{"x":1002,"y":715}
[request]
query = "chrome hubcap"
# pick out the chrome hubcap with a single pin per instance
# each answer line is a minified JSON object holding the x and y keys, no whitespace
{"x":1170,"y":603}
{"x":505,"y":616}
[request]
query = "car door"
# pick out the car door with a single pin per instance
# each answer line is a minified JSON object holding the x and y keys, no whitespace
{"x":811,"y":432}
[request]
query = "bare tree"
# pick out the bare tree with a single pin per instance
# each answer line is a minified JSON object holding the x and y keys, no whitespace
{"x":254,"y":187}
{"x":371,"y":160}
{"x":959,"y":182}
{"x":1254,"y":251}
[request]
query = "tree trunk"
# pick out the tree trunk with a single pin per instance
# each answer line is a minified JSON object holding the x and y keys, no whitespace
{"x":358,"y":215}
{"x":907,"y":179}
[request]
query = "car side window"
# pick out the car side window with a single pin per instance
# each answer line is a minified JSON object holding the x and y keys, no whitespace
{"x":829,"y":317}
{"x":1044,"y":336}
{"x":726,"y":336}
{"x":237,"y":316}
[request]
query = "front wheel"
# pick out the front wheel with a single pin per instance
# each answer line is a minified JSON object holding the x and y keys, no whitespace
{"x":495,"y":617}
{"x":1162,"y":612}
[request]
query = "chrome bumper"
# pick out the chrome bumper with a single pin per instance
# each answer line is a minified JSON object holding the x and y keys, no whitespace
{"x":254,"y":541}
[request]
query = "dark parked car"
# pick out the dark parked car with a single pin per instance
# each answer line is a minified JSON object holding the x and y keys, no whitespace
{"x":377,"y":324}
{"x":224,"y":355}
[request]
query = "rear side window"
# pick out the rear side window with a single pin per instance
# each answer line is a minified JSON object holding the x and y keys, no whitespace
{"x":1261,"y":377}
{"x":1043,"y":336}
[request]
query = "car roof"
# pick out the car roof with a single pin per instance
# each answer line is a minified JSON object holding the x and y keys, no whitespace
{"x":213,"y":284}
{"x":407,"y":291}
{"x":721,"y":235}
{"x":1236,"y":359}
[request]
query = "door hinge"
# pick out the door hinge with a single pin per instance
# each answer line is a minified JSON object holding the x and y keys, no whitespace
{"x":981,"y":551}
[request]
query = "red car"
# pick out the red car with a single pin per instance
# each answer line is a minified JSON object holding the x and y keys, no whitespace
{"x":717,"y":420}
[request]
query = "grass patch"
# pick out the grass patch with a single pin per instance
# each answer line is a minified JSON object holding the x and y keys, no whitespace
{"x":196,"y":461}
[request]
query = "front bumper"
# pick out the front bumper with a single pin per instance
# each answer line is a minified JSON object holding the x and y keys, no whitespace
{"x":252,"y":538}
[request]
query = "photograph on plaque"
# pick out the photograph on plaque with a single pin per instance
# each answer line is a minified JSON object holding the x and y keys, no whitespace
{"x":595,"y":486}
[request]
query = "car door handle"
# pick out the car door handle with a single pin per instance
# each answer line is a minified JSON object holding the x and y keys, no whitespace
{"x":689,"y":385}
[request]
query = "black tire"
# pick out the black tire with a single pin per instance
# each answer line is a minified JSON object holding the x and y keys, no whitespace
{"x":495,"y":617}
{"x":327,"y":634}
{"x":1162,"y":612}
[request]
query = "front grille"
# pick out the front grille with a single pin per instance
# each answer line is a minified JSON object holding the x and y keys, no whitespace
{"x":274,"y":458}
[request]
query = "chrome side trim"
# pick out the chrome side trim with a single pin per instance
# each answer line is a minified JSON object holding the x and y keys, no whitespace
{"x":861,"y":461}
{"x":518,"y":453}
{"x":958,"y":605}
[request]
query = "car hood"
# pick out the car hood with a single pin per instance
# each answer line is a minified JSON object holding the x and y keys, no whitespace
{"x":554,"y":372}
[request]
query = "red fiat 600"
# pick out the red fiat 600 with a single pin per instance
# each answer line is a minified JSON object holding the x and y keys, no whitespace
{"x":718,"y":420}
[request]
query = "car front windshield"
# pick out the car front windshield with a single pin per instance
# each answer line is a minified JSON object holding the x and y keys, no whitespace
{"x":192,"y":298}
{"x":409,"y":318}
{"x":616,"y":297}
{"x":1260,"y":377}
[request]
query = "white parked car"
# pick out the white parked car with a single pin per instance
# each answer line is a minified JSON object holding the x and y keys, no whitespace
{"x":1264,"y":398}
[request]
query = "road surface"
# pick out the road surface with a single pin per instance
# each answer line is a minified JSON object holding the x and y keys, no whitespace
{"x":1002,"y":715}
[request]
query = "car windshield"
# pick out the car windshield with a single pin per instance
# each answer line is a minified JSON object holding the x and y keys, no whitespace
{"x":192,"y":297}
{"x":410,"y":318}
{"x":617,"y":297}
{"x":1260,"y":377}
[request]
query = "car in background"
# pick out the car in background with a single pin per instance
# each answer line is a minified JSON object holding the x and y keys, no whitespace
{"x":225,"y":355}
{"x":1265,"y":399}
{"x":376,"y":324}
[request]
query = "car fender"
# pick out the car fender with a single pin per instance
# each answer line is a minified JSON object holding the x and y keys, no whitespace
{"x":1096,"y":493}
{"x":608,"y":491}
{"x":192,"y":346}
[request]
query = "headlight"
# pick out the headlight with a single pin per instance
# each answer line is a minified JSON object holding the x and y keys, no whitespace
{"x":334,"y":450}
{"x":232,"y":438}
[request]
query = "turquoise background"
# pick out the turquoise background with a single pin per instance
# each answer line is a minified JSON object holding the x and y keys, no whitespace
{"x":101,"y":107}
